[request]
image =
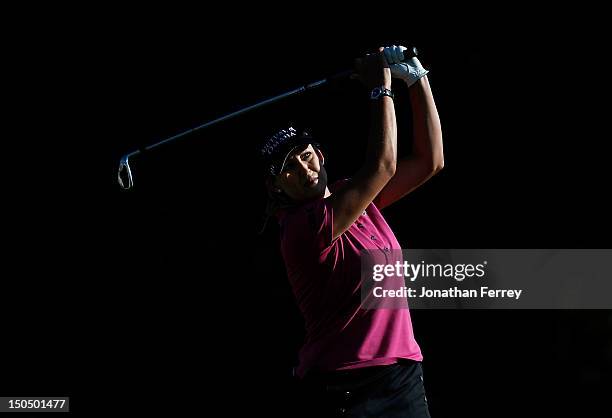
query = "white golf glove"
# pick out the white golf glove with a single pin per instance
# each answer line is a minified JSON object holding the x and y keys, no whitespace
{"x":410,"y":70}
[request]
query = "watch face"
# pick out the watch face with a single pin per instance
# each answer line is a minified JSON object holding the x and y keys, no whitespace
{"x":376,"y":93}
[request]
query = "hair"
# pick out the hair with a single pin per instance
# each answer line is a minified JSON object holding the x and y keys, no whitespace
{"x":275,"y":202}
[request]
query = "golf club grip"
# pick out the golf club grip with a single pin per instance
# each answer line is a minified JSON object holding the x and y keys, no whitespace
{"x":410,"y":52}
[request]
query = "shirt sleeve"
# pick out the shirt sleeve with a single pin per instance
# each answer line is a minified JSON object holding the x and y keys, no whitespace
{"x":310,"y":226}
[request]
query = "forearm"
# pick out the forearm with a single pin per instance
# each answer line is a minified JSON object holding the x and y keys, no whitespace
{"x":382,"y":141}
{"x":426,"y":124}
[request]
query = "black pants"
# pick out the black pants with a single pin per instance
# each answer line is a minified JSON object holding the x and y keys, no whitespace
{"x":382,"y":391}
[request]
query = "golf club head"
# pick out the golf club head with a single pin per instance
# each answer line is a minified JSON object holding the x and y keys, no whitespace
{"x":124,"y":176}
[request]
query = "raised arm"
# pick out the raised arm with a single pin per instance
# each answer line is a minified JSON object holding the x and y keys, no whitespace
{"x":427,"y":157}
{"x":381,"y":158}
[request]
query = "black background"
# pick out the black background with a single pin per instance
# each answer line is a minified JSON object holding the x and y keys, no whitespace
{"x":165,"y":297}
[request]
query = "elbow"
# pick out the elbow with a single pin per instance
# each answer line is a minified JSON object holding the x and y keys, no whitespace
{"x":383,"y":170}
{"x":438,"y":157}
{"x":385,"y":167}
{"x":438,"y":164}
{"x":388,"y":169}
{"x":433,"y":163}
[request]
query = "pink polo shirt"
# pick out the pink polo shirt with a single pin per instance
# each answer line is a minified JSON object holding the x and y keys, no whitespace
{"x":325,"y":278}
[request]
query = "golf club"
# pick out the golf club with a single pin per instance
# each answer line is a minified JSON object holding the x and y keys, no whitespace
{"x":124,"y":175}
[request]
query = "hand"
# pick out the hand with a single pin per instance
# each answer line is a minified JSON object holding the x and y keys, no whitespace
{"x":410,"y":70}
{"x":373,"y":70}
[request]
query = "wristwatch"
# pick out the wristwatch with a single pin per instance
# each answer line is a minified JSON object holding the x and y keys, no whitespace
{"x":378,"y":92}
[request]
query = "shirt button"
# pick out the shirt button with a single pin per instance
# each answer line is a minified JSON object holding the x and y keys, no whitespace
{"x":359,"y":225}
{"x":364,"y":213}
{"x":347,"y":396}
{"x":373,"y":238}
{"x":342,"y":411}
{"x":386,"y":248}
